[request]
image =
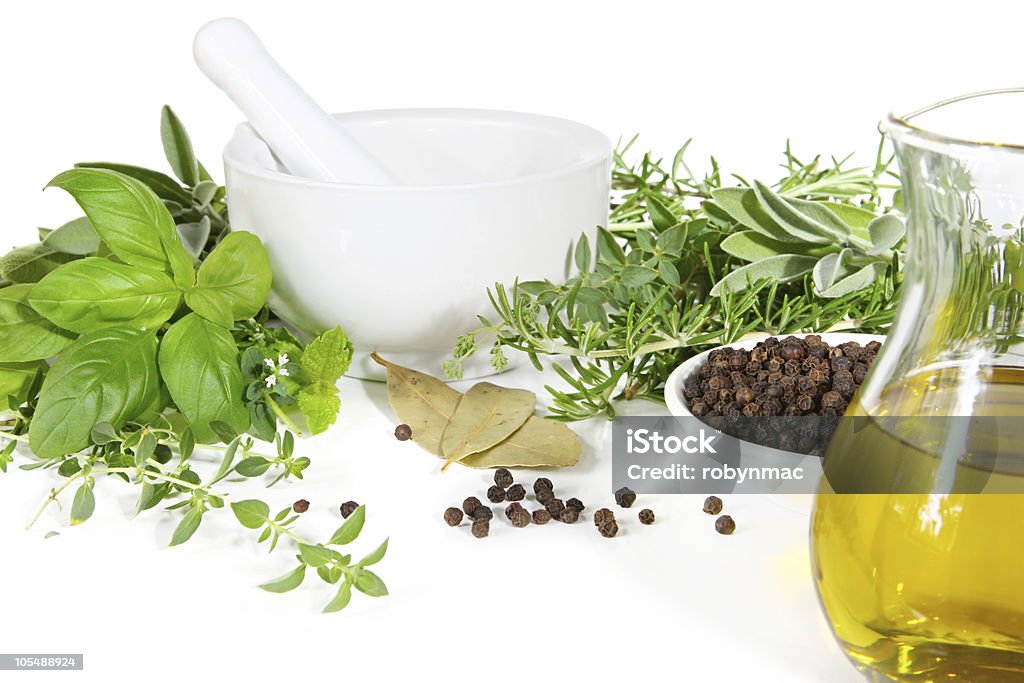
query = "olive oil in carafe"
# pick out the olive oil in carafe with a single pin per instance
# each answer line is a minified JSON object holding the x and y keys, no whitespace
{"x":928,"y":586}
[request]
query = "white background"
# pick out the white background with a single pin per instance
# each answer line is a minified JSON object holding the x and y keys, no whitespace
{"x":85,"y":81}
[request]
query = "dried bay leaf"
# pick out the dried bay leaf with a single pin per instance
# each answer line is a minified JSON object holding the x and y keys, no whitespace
{"x":486,"y":416}
{"x":423,"y":402}
{"x":538,"y":443}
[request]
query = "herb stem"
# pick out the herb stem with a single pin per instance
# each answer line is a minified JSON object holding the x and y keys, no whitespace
{"x":54,"y":493}
{"x":281,"y":414}
{"x":20,"y":438}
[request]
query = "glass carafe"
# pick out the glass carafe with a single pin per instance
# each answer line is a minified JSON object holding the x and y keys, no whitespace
{"x":926,"y":582}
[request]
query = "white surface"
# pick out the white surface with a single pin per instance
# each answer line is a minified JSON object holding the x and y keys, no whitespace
{"x":303,"y":136}
{"x":738,"y":77}
{"x":491,"y":196}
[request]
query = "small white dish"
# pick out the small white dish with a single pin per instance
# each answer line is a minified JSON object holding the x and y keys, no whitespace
{"x":800,"y":503}
{"x":487,"y":196}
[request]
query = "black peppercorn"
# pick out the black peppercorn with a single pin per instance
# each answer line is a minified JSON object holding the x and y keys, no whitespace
{"x":646,"y":516}
{"x":831,"y":399}
{"x":725,"y":525}
{"x":712,"y":505}
{"x":541,"y":516}
{"x":502,"y":478}
{"x":520,"y":518}
{"x":481,"y":528}
{"x":555,"y":507}
{"x":576,"y":504}
{"x":569,"y":515}
{"x":542,"y":483}
{"x":544,"y":496}
{"x":403,"y":432}
{"x":300,"y":506}
{"x":602,"y":516}
{"x":482,"y":512}
{"x":515,"y":492}
{"x":348,"y":508}
{"x":744,"y":395}
{"x":625,"y":497}
{"x":609,"y":528}
{"x":470,"y":504}
{"x":453,"y":516}
{"x":496,"y":494}
{"x":512,"y":509}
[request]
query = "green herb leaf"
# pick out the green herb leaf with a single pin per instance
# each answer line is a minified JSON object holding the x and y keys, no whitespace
{"x":341,"y":599}
{"x":24,"y":334}
{"x":750,"y":245}
{"x":94,"y":293}
{"x":858,"y":280}
{"x":370,"y":584}
{"x":315,"y":555}
{"x":744,"y":207}
{"x":76,"y":237}
{"x":885,"y":232}
{"x":349,"y":531}
{"x":233,"y":281}
{"x":253,"y":466}
{"x":194,"y":236}
{"x":84,"y":503}
{"x":188,"y":526}
{"x":32,"y":263}
{"x":16,"y":379}
{"x":199,"y":364}
{"x":581,"y":255}
{"x":319,"y":404}
{"x":638,"y":276}
{"x":779,"y":268}
{"x":661,"y":217}
{"x":807,"y":221}
{"x":376,"y":556}
{"x":144,"y":451}
{"x":327,"y":357}
{"x":288,"y":582}
{"x":105,"y":376}
{"x":164,"y":186}
{"x":178,"y":147}
{"x":252,"y":514}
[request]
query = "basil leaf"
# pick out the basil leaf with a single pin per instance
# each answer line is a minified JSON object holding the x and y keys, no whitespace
{"x":76,"y":237}
{"x":163,"y":186}
{"x":130,"y":219}
{"x":199,"y":364}
{"x":178,"y":147}
{"x":782,"y":268}
{"x":288,"y":582}
{"x":252,"y":514}
{"x":96,"y":292}
{"x":16,"y":379}
{"x":24,"y":334}
{"x":105,"y":376}
{"x":32,"y":263}
{"x":233,"y":281}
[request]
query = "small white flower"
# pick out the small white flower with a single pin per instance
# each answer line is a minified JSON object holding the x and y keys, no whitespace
{"x":271,"y":381}
{"x":269,"y":363}
{"x":283,"y":372}
{"x":282,"y":359}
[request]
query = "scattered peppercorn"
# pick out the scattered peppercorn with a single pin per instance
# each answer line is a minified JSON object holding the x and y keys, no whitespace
{"x":725,"y":525}
{"x":496,"y":494}
{"x":555,"y":507}
{"x":403,"y":432}
{"x":541,"y":516}
{"x":512,"y":509}
{"x":503,"y":478}
{"x":712,"y":505}
{"x":515,"y":492}
{"x":542,"y":483}
{"x":300,"y":506}
{"x":453,"y":516}
{"x":603,"y":515}
{"x":576,"y":504}
{"x":544,"y":496}
{"x":646,"y":516}
{"x":520,"y":518}
{"x":624,"y":497}
{"x":348,"y":508}
{"x":470,"y":504}
{"x":481,"y":528}
{"x":608,"y":528}
{"x":482,"y":512}
{"x":569,"y":515}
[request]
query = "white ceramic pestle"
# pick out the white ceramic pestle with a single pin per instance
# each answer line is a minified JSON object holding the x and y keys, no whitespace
{"x":304,"y":137}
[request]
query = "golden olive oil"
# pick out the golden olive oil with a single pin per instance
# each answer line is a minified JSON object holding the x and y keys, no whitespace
{"x":928,"y":586}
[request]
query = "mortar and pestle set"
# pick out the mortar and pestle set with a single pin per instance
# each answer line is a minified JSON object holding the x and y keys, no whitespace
{"x":394,"y":223}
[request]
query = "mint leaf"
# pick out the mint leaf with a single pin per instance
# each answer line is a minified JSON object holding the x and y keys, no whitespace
{"x":319,"y":404}
{"x":323,"y":363}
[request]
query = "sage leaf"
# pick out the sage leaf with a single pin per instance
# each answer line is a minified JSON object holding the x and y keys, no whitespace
{"x":423,"y":402}
{"x":199,"y":364}
{"x":105,"y":376}
{"x":32,"y":263}
{"x":252,"y":514}
{"x":132,"y":221}
{"x":288,"y":582}
{"x":825,"y":270}
{"x":194,"y":236}
{"x":783,"y":268}
{"x":885,"y":232}
{"x":349,"y":531}
{"x":808,"y":221}
{"x":94,"y":293}
{"x":862,"y":278}
{"x":25,"y":335}
{"x":83,"y":504}
{"x":178,"y":147}
{"x":341,"y":599}
{"x":16,"y":379}
{"x":486,"y":415}
{"x":376,"y":556}
{"x":743,"y":206}
{"x":370,"y":584}
{"x":163,"y":186}
{"x":233,"y":281}
{"x":854,"y":216}
{"x":538,"y":443}
{"x":76,"y":237}
{"x":750,"y":245}
{"x":188,"y":526}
